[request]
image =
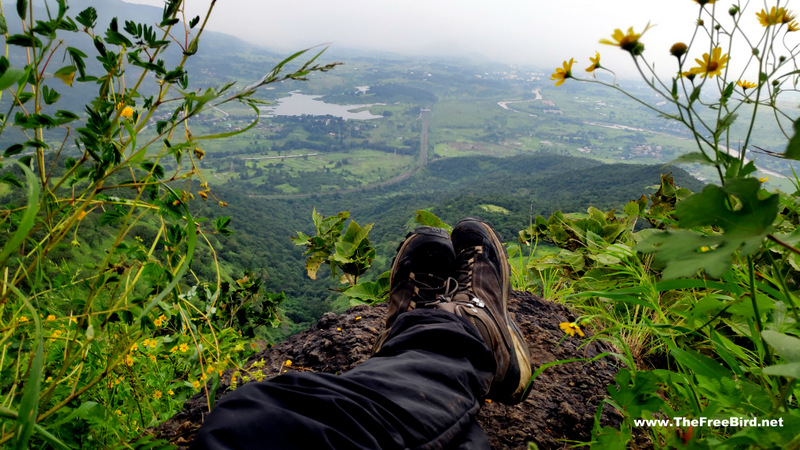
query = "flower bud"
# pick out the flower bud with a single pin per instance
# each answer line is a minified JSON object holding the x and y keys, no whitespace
{"x":678,"y":49}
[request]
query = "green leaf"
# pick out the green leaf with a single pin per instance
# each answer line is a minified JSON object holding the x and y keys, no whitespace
{"x":788,"y":347}
{"x":10,"y":77}
{"x":694,"y":95}
{"x":87,"y":17}
{"x":29,"y":405}
{"x":427,"y":218}
{"x":726,"y":94}
{"x":22,"y":8}
{"x":14,"y":149}
{"x":700,"y":364}
{"x":155,"y":169}
{"x":791,"y":370}
{"x":28,"y":218}
{"x":221,"y":225}
{"x":3,"y":25}
{"x":793,"y":148}
{"x":693,"y":157}
{"x":24,"y":40}
{"x":681,"y":253}
{"x":711,"y":207}
{"x":369,"y":291}
{"x":725,"y":123}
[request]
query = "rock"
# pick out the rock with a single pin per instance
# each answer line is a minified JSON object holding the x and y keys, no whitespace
{"x":560,"y":409}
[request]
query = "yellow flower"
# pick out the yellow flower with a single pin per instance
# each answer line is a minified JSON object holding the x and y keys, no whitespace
{"x":571,"y":328}
{"x":48,"y":380}
{"x":792,"y":26}
{"x":338,"y":329}
{"x":210,"y":369}
{"x":152,"y":358}
{"x":775,"y":16}
{"x":203,"y":376}
{"x":358,"y":318}
{"x":711,"y":65}
{"x":763,"y":179}
{"x":184,"y":347}
{"x":745,"y":85}
{"x":160,"y":321}
{"x":56,"y":335}
{"x":196,"y":384}
{"x":288,"y":362}
{"x":705,"y":249}
{"x":127,"y":112}
{"x":129,"y":360}
{"x":135,"y":346}
{"x":146,"y":342}
{"x":23,"y":319}
{"x":51,"y":317}
{"x":562,"y":74}
{"x":704,"y":2}
{"x":171,"y":392}
{"x":595,"y":62}
{"x":157,"y":395}
{"x":118,"y":412}
{"x":173,"y":349}
{"x":627,"y":41}
{"x":690,"y":74}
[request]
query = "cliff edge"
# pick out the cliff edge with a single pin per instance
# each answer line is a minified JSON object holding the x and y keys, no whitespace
{"x":560,"y":409}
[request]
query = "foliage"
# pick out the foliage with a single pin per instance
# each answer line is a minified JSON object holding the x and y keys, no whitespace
{"x":703,"y":306}
{"x":101,"y":332}
{"x":348,"y":251}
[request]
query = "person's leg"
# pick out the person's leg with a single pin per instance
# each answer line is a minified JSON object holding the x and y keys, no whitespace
{"x":421,"y":390}
{"x":441,"y":354}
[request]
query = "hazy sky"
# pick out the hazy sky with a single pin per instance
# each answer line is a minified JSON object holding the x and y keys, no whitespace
{"x":530,"y":32}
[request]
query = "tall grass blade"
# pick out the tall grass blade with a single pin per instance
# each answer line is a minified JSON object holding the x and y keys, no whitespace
{"x":29,"y":406}
{"x":28,"y":219}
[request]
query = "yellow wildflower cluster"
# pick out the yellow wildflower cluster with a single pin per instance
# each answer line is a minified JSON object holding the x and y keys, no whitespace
{"x":161,"y":320}
{"x":775,"y":16}
{"x":127,"y":112}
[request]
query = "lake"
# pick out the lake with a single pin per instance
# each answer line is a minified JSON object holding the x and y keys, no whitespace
{"x":297,"y":104}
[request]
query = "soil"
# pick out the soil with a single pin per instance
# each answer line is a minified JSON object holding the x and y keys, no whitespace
{"x":559,"y":411}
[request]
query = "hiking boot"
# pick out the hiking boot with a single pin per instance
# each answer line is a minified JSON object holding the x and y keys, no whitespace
{"x":482,"y":298}
{"x":421,"y":270}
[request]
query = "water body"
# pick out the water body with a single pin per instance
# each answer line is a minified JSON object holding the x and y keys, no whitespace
{"x":297,"y":104}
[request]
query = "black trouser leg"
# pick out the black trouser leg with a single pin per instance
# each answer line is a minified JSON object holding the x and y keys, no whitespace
{"x":422,"y":390}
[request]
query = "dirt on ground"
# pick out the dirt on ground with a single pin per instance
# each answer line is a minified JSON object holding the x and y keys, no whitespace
{"x":559,"y":411}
